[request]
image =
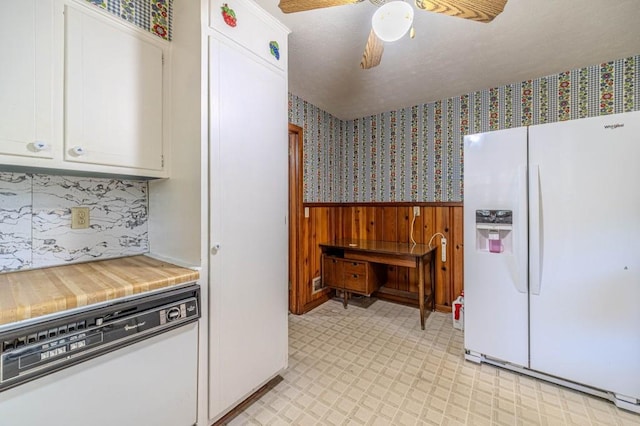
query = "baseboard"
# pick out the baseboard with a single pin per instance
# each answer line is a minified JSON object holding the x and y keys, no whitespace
{"x":224,"y":420}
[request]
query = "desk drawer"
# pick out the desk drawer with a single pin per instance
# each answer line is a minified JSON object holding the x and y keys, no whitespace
{"x":354,"y":267}
{"x":356,"y":282}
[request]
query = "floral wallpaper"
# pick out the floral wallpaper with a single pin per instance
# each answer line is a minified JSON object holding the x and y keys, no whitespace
{"x":415,"y":153}
{"x":151,"y":15}
{"x":323,"y":145}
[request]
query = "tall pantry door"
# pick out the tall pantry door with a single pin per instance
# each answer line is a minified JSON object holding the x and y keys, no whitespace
{"x":248,"y":205}
{"x":585,"y":251}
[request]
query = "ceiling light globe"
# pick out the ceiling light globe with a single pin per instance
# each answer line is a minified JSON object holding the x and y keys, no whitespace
{"x":392,"y":20}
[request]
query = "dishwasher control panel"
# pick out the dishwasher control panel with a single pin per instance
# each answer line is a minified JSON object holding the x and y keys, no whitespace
{"x":39,"y":349}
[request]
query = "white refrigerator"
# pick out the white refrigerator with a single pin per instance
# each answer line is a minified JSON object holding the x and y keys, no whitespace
{"x":552,"y":253}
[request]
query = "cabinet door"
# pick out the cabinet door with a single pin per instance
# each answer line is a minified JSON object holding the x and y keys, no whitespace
{"x":26,"y":31}
{"x":113,"y":93}
{"x":248,"y":280}
{"x":332,"y":271}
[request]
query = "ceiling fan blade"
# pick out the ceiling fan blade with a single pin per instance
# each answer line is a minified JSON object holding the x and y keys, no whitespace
{"x":372,"y":52}
{"x":476,"y":10}
{"x":291,"y":6}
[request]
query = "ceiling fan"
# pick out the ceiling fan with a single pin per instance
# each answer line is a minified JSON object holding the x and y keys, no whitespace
{"x":400,"y":19}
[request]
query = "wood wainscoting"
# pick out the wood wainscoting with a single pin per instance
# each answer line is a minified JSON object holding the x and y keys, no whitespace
{"x":386,"y":222}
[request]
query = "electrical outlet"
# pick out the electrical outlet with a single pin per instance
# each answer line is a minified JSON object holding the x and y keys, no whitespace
{"x":79,"y":217}
{"x":416,"y":211}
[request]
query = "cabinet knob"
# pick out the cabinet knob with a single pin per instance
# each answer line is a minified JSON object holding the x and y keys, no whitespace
{"x":215,"y":248}
{"x":78,"y":150}
{"x":40,"y":146}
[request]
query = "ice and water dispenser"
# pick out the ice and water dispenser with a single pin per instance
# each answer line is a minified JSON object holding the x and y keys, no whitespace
{"x":493,"y":231}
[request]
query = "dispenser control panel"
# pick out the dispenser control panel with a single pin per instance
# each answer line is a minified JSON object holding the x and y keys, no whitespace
{"x":494,"y":216}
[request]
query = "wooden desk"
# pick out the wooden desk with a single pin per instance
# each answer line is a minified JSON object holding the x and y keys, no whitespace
{"x":353,"y":252}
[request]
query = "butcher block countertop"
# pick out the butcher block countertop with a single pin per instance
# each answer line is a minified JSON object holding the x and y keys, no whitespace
{"x":30,"y":294}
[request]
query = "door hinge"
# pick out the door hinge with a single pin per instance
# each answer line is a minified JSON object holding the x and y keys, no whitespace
{"x":162,"y":161}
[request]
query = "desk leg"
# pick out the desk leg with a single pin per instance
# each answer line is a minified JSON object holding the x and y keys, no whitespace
{"x":432,"y":273}
{"x":421,"y":290}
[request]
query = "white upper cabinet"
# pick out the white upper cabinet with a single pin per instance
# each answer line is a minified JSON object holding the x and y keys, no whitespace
{"x":252,"y":28}
{"x":26,"y":78}
{"x":82,"y":91}
{"x":114,"y":101}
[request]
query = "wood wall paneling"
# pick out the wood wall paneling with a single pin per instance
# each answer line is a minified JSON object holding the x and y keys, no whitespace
{"x":456,"y":249}
{"x":386,"y":222}
{"x":295,"y":217}
{"x":315,"y":229}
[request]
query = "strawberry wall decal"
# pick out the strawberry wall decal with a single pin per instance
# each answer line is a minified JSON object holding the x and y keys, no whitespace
{"x":229,"y":15}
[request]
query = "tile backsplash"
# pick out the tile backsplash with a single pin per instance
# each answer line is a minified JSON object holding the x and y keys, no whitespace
{"x":35,"y":219}
{"x":15,"y":221}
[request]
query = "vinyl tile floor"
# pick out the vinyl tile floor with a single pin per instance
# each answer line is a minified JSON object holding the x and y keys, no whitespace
{"x":375,"y":366}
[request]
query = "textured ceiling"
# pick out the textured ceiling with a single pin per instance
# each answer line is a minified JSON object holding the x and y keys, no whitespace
{"x":449,"y":56}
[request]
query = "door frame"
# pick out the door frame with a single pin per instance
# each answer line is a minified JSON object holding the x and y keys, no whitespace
{"x":296,"y":274}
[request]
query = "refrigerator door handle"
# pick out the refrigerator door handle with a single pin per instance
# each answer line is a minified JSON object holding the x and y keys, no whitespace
{"x":535,"y":230}
{"x":520,"y":230}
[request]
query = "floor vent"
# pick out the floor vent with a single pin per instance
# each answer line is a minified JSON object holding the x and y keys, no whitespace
{"x":316,"y":285}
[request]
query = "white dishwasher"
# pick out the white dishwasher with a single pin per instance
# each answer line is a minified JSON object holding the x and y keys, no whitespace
{"x":132,"y":362}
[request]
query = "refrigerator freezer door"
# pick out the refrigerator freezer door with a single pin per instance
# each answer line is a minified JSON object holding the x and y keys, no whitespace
{"x":495,"y":288}
{"x":585,"y":258}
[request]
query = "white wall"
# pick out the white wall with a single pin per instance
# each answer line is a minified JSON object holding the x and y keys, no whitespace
{"x":178,"y":206}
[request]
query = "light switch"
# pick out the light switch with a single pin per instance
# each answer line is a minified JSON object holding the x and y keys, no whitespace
{"x":79,"y":217}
